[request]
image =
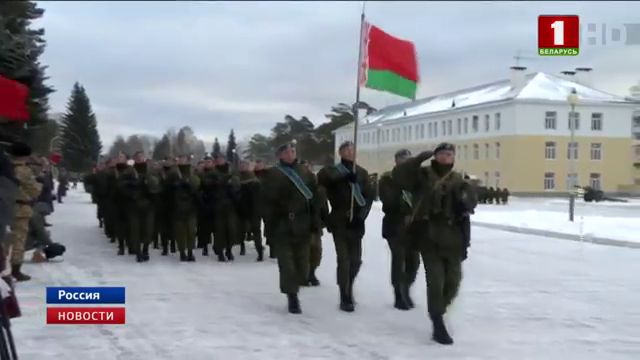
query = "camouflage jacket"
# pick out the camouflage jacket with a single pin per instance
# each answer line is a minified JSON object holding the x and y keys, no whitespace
{"x":28,"y":190}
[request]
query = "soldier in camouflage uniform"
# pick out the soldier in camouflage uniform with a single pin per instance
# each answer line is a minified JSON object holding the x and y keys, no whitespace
{"x":504,"y":195}
{"x":206,"y":219}
{"x":346,"y":222}
{"x":397,"y":205}
{"x":249,"y":207}
{"x":227,"y":193}
{"x":185,"y":185}
{"x":291,"y":199}
{"x":444,"y":201}
{"x":139,"y":188}
{"x":28,"y":191}
{"x":164,"y":208}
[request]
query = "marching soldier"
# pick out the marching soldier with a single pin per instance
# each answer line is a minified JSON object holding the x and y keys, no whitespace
{"x":444,"y":201}
{"x":206,"y":219}
{"x":397,"y":205}
{"x":249,"y":207}
{"x":227,"y":189}
{"x":28,"y":191}
{"x":347,"y":217}
{"x":504,"y":195}
{"x":139,"y":187}
{"x":185,"y":185}
{"x":165,"y":210}
{"x":290,"y":196}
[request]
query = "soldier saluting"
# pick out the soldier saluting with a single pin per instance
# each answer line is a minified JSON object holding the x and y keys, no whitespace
{"x":344,"y":222}
{"x":397,"y":205}
{"x":290,"y":196}
{"x":440,"y":218}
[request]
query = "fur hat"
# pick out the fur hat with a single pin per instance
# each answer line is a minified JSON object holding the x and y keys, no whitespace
{"x":402,"y":154}
{"x":19,"y":149}
{"x":444,"y":147}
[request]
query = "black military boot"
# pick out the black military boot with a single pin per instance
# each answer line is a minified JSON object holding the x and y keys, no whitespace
{"x":139,"y":257}
{"x":112,"y":240}
{"x":272,"y":253}
{"x":313,"y":280}
{"x":260,"y":251}
{"x":345,"y":302}
{"x":294,"y":304}
{"x":190,"y":256}
{"x":407,"y":297}
{"x":205,"y":250}
{"x":183,"y":256}
{"x":145,"y":252}
{"x":17,"y":274}
{"x":100,"y":223}
{"x":173,"y":246}
{"x":440,"y":333}
{"x":400,"y":302}
{"x":243,"y":249}
{"x":155,"y":243}
{"x":229,"y":254}
{"x":120,"y":250}
{"x":221,"y":258}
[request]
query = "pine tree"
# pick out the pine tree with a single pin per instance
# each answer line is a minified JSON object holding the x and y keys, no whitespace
{"x":216,"y":148}
{"x":80,"y":139}
{"x":162,"y":149}
{"x":231,"y":147}
{"x":119,"y":146}
{"x":20,"y":49}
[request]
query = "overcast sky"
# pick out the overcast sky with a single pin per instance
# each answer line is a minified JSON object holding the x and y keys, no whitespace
{"x":219,"y":65}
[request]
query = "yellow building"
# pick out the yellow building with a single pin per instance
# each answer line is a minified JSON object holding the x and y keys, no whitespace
{"x":514,"y":133}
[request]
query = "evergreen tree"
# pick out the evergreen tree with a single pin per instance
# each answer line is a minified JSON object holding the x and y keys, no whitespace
{"x":80,"y":139}
{"x":162,"y":149}
{"x":216,"y":148}
{"x":119,"y":146}
{"x":231,"y":147}
{"x":20,"y":49}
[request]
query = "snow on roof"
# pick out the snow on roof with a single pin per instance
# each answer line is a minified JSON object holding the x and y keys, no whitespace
{"x":538,"y":85}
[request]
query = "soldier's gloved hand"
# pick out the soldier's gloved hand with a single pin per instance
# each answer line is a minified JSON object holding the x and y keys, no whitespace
{"x":351,"y":177}
{"x":425,"y":155}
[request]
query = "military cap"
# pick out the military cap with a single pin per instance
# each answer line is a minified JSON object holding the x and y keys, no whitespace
{"x":19,"y":149}
{"x":285,"y":146}
{"x":445,"y":146}
{"x":345,"y":145}
{"x":402,"y":154}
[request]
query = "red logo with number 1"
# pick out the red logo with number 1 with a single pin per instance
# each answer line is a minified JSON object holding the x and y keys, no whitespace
{"x":558,"y":35}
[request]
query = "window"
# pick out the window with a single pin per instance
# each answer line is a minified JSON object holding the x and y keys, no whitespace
{"x":498,"y":121}
{"x":386,"y":136}
{"x":450,"y":127}
{"x":435,"y":129}
{"x":486,"y":178}
{"x":595,"y":181}
{"x":497,"y":150}
{"x":596,"y":151}
{"x":410,"y":133}
{"x":474,"y":124}
{"x":550,"y":119}
{"x":572,"y":151}
{"x":466,"y":152}
{"x":421,"y":131}
{"x":572,"y":181}
{"x":466,"y":125}
{"x":486,"y":123}
{"x":476,"y":152}
{"x":444,"y":128}
{"x":459,"y":127}
{"x":596,"y":121}
{"x":430,"y":130}
{"x":486,"y":151}
{"x":417,"y":132}
{"x":550,"y":150}
{"x":497,"y":178}
{"x":575,"y":122}
{"x":549,"y":181}
{"x":404,"y":133}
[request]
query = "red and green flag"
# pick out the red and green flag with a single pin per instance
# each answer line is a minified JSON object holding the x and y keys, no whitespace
{"x":389,"y":64}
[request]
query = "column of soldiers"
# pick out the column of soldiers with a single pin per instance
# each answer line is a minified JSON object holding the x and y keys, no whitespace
{"x":489,"y":195}
{"x":426,"y":216}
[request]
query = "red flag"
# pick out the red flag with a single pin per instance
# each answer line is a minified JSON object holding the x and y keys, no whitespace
{"x":55,"y":158}
{"x":13,"y":99}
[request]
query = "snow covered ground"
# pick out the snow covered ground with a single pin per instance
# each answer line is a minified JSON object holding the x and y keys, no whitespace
{"x":523,"y":297}
{"x":608,"y":220}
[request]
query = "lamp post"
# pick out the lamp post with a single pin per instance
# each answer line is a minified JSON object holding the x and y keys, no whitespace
{"x":573,"y":100}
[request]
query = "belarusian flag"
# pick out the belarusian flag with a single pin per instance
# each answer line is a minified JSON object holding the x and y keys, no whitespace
{"x":389,"y":64}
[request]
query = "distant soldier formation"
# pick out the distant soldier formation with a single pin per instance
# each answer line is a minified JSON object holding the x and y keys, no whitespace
{"x":179,"y":206}
{"x":491,"y":195}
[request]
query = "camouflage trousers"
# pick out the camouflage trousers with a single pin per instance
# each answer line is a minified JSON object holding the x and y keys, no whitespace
{"x":18,"y":239}
{"x":444,"y":275}
{"x":405,"y":262}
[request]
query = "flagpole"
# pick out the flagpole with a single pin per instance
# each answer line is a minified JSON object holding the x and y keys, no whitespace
{"x":357,"y":103}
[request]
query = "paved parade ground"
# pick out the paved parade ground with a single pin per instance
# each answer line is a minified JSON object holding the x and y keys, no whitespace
{"x":523,"y":297}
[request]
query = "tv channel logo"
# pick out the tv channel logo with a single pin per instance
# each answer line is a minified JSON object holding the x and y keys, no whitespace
{"x":85,"y":315}
{"x":558,"y":35}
